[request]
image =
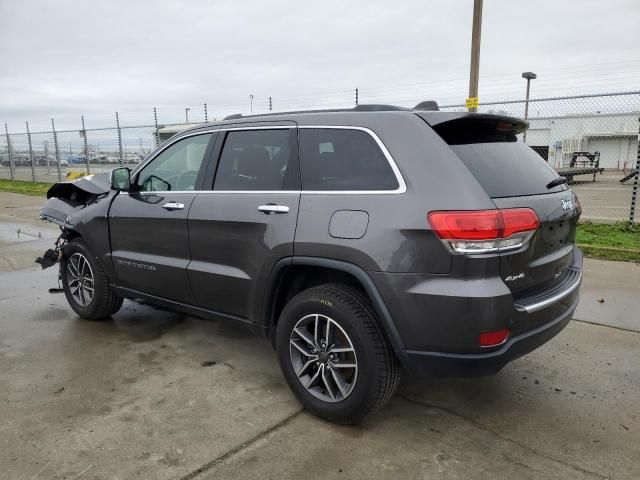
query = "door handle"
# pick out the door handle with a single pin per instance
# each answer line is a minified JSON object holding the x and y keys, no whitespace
{"x":173,"y":206}
{"x":271,"y":209}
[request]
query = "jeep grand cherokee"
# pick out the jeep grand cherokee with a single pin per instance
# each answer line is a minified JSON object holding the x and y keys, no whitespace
{"x":357,"y":241}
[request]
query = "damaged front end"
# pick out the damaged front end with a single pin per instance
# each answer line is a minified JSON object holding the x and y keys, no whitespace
{"x":54,"y":255}
{"x":74,"y":206}
{"x":67,"y":198}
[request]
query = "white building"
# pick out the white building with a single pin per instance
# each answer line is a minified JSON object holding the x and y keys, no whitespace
{"x":615,"y":136}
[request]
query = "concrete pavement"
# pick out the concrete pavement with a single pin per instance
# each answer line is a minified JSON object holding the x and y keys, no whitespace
{"x":155,"y":394}
{"x":610,"y":294}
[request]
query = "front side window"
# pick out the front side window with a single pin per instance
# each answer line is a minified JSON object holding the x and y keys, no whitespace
{"x":176,"y":168}
{"x":343,"y":159}
{"x":253,"y":160}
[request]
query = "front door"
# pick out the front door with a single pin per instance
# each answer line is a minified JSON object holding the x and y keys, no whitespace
{"x":246,"y":222}
{"x":148,"y":225}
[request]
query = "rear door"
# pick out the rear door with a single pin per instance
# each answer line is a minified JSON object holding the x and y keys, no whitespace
{"x":148,"y":225}
{"x":515,"y":176}
{"x":246,"y":221}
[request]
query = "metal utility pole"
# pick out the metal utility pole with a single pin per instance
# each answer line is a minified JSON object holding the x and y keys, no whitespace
{"x":31,"y":160}
{"x":472,"y":102}
{"x":155,"y":123}
{"x":56,"y":149}
{"x":356,"y":97}
{"x":86,"y":146}
{"x":206,"y":117}
{"x":45,"y":144}
{"x":10,"y":153}
{"x":120,"y":156}
{"x":270,"y":104}
{"x":251,"y":102}
{"x":186,"y":114}
{"x":634,"y":192}
{"x":528,"y":76}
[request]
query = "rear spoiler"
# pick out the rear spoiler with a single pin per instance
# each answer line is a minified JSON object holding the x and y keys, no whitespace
{"x":466,"y":127}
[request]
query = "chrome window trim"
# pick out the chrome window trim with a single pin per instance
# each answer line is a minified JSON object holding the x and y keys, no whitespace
{"x":167,"y":144}
{"x":402,"y":186}
{"x":170,"y":192}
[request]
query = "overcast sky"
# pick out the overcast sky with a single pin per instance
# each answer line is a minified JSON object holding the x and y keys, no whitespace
{"x":66,"y":58}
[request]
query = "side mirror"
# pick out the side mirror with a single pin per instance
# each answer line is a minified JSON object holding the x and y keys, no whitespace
{"x":120,"y":179}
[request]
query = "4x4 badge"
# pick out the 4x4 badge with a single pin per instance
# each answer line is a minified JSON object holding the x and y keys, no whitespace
{"x":512,"y":278}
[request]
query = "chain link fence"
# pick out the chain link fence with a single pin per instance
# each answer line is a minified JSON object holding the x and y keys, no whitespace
{"x":591,"y":139}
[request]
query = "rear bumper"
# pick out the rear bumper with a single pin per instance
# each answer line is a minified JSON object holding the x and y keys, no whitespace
{"x":440,"y":318}
{"x":442,"y":364}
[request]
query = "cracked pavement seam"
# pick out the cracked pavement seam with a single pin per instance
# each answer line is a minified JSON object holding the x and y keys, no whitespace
{"x":605,"y":326}
{"x":239,"y":448}
{"x":502,"y":437}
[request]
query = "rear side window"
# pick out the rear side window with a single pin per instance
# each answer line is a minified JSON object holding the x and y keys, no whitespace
{"x":507,"y":169}
{"x":489,"y":147}
{"x":343,"y":159}
{"x":254,"y":160}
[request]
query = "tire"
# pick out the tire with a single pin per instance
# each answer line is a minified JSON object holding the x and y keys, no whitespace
{"x":103,"y":302}
{"x":357,"y":340}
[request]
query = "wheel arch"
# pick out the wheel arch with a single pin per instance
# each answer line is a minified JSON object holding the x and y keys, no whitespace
{"x":292,"y":269}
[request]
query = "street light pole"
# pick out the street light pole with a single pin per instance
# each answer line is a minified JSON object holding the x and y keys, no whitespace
{"x":186,"y":114}
{"x":528,"y":76}
{"x":475,"y":51}
{"x":251,"y":102}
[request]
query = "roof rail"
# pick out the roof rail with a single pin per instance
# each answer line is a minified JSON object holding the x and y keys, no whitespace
{"x":373,"y":107}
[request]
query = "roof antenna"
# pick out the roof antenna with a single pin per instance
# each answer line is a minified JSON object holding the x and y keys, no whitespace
{"x":427,"y":105}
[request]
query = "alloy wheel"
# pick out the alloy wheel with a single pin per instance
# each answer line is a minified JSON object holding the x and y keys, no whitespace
{"x":80,"y":279}
{"x":323,"y":358}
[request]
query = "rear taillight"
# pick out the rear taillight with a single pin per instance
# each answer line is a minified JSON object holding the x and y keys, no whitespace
{"x":578,"y":205}
{"x":484,"y":231}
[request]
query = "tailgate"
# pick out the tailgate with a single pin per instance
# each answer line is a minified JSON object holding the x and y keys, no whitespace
{"x":515,"y":176}
{"x":550,"y":250}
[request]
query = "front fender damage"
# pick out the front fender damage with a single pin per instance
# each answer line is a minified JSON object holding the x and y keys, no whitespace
{"x":65,"y":200}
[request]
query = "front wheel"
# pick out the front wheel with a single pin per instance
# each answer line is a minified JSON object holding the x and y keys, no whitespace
{"x":334,"y":355}
{"x":86,"y":284}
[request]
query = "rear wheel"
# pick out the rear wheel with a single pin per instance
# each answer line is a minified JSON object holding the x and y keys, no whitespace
{"x":334,"y":355}
{"x":86,"y":284}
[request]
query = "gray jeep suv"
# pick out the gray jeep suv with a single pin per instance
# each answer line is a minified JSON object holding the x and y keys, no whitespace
{"x":357,"y":241}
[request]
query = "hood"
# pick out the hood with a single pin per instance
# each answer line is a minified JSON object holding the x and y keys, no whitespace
{"x":67,"y":198}
{"x":91,"y":184}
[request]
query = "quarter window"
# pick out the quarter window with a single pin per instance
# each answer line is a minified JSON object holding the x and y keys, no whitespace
{"x":343,"y":159}
{"x":254,"y":160}
{"x":176,"y":168}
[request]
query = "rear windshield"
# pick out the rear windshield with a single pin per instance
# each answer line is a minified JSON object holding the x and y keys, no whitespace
{"x":507,"y":169}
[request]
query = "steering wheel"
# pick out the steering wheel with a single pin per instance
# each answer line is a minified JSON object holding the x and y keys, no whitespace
{"x":187,"y":180}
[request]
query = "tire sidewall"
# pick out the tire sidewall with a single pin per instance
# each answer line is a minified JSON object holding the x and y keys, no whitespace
{"x":312,"y":302}
{"x":90,"y":310}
